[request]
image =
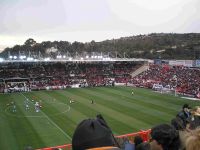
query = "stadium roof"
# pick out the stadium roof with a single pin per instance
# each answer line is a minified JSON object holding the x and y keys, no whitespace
{"x":74,"y":60}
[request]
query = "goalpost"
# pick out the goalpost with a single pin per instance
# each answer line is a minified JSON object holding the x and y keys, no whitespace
{"x":16,"y":85}
{"x":166,"y":89}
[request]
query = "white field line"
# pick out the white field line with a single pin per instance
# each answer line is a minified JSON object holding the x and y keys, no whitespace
{"x":50,"y":120}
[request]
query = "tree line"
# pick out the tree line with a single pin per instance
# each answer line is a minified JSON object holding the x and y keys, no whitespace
{"x":151,"y":46}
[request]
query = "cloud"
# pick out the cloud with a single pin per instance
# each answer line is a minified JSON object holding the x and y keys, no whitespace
{"x":86,"y":20}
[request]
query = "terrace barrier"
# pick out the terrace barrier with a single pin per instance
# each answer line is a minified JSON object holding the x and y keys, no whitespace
{"x":145,"y":134}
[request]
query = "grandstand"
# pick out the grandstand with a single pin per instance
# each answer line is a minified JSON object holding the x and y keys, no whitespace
{"x":20,"y":75}
{"x":31,"y":74}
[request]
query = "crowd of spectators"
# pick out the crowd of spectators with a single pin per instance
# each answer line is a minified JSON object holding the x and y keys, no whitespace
{"x":184,"y":79}
{"x":43,"y":75}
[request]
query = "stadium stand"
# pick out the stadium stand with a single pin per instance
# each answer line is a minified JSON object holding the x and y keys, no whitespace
{"x":39,"y":76}
{"x":184,"y":79}
{"x":58,"y":75}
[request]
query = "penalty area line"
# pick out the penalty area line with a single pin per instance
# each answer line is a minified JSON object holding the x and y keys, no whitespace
{"x":50,"y":120}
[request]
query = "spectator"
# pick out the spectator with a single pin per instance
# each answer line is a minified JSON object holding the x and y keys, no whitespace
{"x":93,"y":133}
{"x":195,"y":118}
{"x":128,"y":145}
{"x":193,"y":140}
{"x":184,"y":114}
{"x":138,"y":140}
{"x":178,"y":123}
{"x":144,"y":146}
{"x":164,"y":137}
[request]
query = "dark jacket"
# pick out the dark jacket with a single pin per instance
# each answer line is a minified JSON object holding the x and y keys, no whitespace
{"x":184,"y":116}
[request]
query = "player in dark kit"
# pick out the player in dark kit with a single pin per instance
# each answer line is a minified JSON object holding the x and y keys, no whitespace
{"x":92,"y":102}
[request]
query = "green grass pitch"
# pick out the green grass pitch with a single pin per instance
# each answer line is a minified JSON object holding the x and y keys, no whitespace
{"x":57,"y":120}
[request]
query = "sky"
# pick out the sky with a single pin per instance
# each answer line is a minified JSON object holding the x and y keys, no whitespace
{"x":87,"y":20}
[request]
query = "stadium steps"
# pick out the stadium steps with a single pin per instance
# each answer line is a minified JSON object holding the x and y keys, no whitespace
{"x":140,"y":70}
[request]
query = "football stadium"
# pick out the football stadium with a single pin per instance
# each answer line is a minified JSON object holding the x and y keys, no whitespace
{"x":99,"y":75}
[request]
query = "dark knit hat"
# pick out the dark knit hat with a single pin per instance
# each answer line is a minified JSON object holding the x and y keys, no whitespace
{"x":91,"y":133}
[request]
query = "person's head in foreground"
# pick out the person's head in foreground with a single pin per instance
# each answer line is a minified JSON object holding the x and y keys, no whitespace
{"x":138,"y":140}
{"x":93,"y":133}
{"x":164,"y":137}
{"x":193,"y":140}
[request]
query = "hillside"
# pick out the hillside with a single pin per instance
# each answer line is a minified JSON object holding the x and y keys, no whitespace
{"x":156,"y":45}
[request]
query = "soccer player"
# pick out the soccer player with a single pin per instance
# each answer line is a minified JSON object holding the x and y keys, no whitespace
{"x":40,"y":104}
{"x":27,"y":106}
{"x":71,"y":101}
{"x":14,"y":107}
{"x":132,"y":93}
{"x":26,"y":103}
{"x":92,"y":102}
{"x":37,"y":107}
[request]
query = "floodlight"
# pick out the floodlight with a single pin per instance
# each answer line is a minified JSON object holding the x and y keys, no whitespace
{"x":1,"y":59}
{"x":58,"y":56}
{"x":107,"y":58}
{"x":22,"y":57}
{"x":29,"y":58}
{"x":47,"y":59}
